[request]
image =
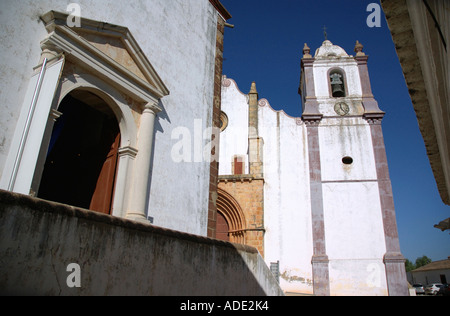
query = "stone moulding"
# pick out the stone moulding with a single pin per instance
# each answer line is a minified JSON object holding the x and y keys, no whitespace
{"x":76,"y":47}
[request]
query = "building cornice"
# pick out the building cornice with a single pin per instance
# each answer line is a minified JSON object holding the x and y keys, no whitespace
{"x":221,"y":9}
{"x":408,"y":25}
{"x":240,"y":178}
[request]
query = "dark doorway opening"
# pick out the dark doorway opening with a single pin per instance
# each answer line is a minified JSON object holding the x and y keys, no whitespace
{"x":80,"y":169}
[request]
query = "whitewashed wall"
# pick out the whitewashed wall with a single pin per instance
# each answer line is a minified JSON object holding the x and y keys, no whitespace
{"x":178,"y":37}
{"x":234,"y":139}
{"x":287,"y":200}
{"x":354,"y":230}
{"x":287,"y":212}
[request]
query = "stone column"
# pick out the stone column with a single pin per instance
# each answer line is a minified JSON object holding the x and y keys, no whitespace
{"x":312,"y":118}
{"x":320,"y":262}
{"x":393,"y":259}
{"x":368,"y":100}
{"x":308,"y":91}
{"x":255,"y":143}
{"x":141,"y":170}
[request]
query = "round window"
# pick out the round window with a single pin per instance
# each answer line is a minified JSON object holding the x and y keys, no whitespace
{"x":223,"y":121}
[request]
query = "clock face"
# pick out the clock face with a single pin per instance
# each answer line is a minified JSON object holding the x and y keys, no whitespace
{"x":342,"y":108}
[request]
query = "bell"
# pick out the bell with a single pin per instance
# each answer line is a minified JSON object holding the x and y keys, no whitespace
{"x":337,"y":86}
{"x":338,"y":91}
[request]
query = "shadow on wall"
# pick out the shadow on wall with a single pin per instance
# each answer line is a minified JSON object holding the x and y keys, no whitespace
{"x":50,"y":249}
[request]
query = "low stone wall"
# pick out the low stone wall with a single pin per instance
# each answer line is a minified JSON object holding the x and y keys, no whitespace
{"x":52,"y":249}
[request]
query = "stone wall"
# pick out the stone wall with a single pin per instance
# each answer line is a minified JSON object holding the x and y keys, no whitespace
{"x":249,"y":193}
{"x":39,"y":240}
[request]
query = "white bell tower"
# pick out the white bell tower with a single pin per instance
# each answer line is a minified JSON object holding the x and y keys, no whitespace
{"x":355,"y":238}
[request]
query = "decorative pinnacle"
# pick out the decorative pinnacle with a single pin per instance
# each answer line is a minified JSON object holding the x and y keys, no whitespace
{"x":358,"y":49}
{"x":306,"y":51}
{"x":253,"y":88}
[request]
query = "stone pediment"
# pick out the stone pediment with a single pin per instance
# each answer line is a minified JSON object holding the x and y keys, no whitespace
{"x":107,"y":48}
{"x":114,"y":48}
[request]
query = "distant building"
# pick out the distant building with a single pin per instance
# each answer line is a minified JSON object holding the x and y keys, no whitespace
{"x":435,"y":272}
{"x":313,"y":194}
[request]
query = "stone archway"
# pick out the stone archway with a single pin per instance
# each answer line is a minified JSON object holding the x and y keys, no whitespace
{"x":232,"y":212}
{"x":82,"y":158}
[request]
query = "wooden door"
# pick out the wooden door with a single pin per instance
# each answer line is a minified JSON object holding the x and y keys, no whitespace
{"x":222,"y":228}
{"x":102,"y":198}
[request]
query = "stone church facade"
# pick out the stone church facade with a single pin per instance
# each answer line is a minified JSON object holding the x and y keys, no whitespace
{"x":313,"y":194}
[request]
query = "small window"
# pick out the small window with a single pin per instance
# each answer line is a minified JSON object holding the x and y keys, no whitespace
{"x":337,"y":84}
{"x":347,"y":160}
{"x":238,"y":165}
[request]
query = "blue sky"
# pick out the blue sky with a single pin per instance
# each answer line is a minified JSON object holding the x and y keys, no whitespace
{"x":266,"y":47}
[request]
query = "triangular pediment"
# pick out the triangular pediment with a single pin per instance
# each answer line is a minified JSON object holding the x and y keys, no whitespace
{"x":114,"y":48}
{"x":110,"y":46}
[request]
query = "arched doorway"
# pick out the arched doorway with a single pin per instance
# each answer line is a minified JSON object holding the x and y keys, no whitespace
{"x":231,"y":224}
{"x":81,"y":164}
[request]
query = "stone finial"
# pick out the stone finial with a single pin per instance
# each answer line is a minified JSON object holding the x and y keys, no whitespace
{"x":253,"y":88}
{"x":358,"y":49}
{"x":306,"y":51}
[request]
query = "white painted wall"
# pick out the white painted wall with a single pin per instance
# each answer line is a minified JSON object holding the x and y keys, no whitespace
{"x":346,"y":137}
{"x":354,"y":232}
{"x":287,"y":214}
{"x":287,"y":201}
{"x":234,"y":139}
{"x":178,"y":37}
{"x":354,"y":238}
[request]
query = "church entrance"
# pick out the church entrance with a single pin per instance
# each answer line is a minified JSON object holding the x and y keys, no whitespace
{"x":81,"y":164}
{"x":222,"y":229}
